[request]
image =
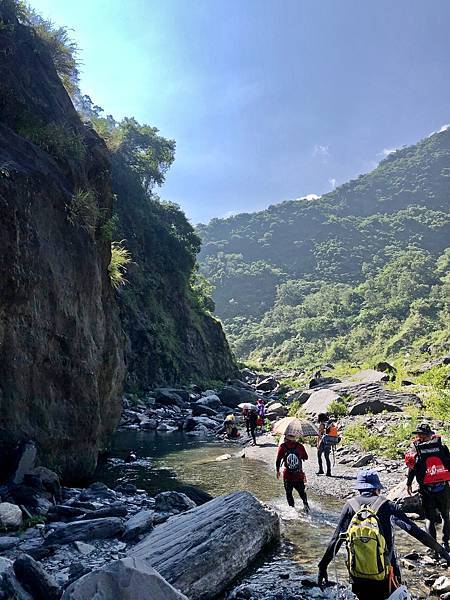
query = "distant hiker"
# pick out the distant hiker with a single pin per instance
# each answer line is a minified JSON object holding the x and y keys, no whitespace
{"x":291,"y":454}
{"x":430,"y":465}
{"x":367,"y":524}
{"x":326,"y":442}
{"x":246,"y":415}
{"x":130,"y":457}
{"x":230,"y":428}
{"x":252,"y":421}
{"x":261,"y":410}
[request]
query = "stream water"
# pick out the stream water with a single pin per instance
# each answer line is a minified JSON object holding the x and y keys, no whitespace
{"x":167,"y":461}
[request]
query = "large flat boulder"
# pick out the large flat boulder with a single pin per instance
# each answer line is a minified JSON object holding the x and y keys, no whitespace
{"x":374,"y":397}
{"x":200,"y":552}
{"x":125,"y":579}
{"x":95,"y":529}
{"x":370,"y":376}
{"x":319,"y":401}
{"x":232,"y":396}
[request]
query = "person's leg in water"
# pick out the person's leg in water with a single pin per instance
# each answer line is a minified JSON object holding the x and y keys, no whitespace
{"x":289,"y":486}
{"x":300,"y":487}
{"x":247,"y":426}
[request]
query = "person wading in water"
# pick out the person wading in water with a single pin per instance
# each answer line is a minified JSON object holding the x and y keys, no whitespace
{"x":366,"y":524}
{"x":291,"y":453}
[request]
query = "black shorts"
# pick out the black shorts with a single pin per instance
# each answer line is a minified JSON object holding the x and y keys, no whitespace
{"x":432,"y":502}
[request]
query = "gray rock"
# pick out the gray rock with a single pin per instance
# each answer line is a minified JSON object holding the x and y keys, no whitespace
{"x":200,"y":552}
{"x":199,"y":409}
{"x":97,"y":491}
{"x":149,"y":424}
{"x":35,"y":580}
{"x":83,"y":548}
{"x":196,"y":494}
{"x":173,"y":502}
{"x":374,"y":397}
{"x":300,"y":396}
{"x":95,"y":529}
{"x":49,"y":479}
{"x":320,"y":400}
{"x":267,"y":385}
{"x":8,"y":542}
{"x":276,"y":411}
{"x":441,"y":585}
{"x":410,"y":504}
{"x":10,"y":515}
{"x":370,"y":376}
{"x":115,"y":510}
{"x":375,"y":407}
{"x":232,"y":396}
{"x":168,"y":397}
{"x":126,"y":488}
{"x":364,"y":460}
{"x":212,"y":401}
{"x":66,"y":513}
{"x":9,"y":583}
{"x":125,"y":579}
{"x":138,"y":524}
{"x":206,"y":422}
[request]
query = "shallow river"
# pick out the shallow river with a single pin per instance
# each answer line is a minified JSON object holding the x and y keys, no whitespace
{"x":166,"y":461}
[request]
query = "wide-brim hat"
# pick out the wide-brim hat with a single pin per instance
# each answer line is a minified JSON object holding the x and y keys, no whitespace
{"x":368,"y":480}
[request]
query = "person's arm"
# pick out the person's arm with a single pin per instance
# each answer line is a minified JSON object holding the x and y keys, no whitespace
{"x":405,"y":523}
{"x":446,"y":457}
{"x":335,"y":542}
{"x":280,"y":457}
{"x":302,"y":452}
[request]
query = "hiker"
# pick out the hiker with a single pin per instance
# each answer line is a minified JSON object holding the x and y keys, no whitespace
{"x":367,"y":521}
{"x":252,"y":421}
{"x":326,"y":442}
{"x":246,"y":415}
{"x":261,"y":410}
{"x":291,"y":453}
{"x":230,"y":428}
{"x":430,"y":465}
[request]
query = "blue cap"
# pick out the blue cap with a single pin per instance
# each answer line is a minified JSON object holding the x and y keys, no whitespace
{"x":368,"y":480}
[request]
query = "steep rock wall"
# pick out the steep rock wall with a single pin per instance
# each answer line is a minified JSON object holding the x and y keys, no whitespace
{"x":61,"y":343}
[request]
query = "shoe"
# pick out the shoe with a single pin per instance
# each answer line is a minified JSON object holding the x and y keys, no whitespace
{"x":306,"y":507}
{"x":319,"y":473}
{"x":329,"y":475}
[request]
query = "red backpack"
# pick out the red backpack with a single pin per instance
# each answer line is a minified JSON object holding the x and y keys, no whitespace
{"x":431,"y":453}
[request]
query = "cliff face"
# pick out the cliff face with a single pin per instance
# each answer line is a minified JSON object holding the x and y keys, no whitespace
{"x":61,"y":357}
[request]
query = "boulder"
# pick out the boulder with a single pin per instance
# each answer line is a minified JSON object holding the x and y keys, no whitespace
{"x":115,"y":510}
{"x":232,"y":396}
{"x":213,"y":401}
{"x":319,"y":401}
{"x":49,"y":479}
{"x":8,"y":542}
{"x":189,"y":424}
{"x":410,"y":504}
{"x":441,"y":585}
{"x":374,"y":407}
{"x":173,"y":502}
{"x":138,"y":524}
{"x":168,"y":397}
{"x":35,"y":580}
{"x":370,"y":376}
{"x":386,"y":367}
{"x":9,"y":583}
{"x":199,"y":409}
{"x":206,"y":422}
{"x":66,"y":513}
{"x":300,"y":396}
{"x":126,"y":488}
{"x":83,"y":548}
{"x":95,"y":529}
{"x":323,"y":381}
{"x":196,"y":494}
{"x":239,"y":383}
{"x":125,"y":579}
{"x":10,"y":515}
{"x":148,"y":424}
{"x":267,"y":385}
{"x":202,"y":551}
{"x":276,"y":411}
{"x":363,"y":460}
{"x":374,"y":397}
{"x":97,"y":491}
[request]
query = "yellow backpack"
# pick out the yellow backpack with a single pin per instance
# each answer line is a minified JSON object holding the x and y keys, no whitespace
{"x":366,"y":546}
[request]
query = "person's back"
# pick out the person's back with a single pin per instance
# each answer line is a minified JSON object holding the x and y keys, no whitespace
{"x":387,"y":514}
{"x":291,"y":454}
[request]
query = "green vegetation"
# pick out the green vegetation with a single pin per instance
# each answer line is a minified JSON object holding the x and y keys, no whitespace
{"x":62,"y":142}
{"x":338,"y":408}
{"x":360,"y":274}
{"x":392,"y":443}
{"x":296,"y":410}
{"x":120,"y":259}
{"x":83,"y":211}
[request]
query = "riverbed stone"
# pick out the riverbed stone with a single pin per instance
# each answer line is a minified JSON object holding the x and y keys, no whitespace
{"x":35,"y":579}
{"x":125,"y":579}
{"x":137,"y":525}
{"x":173,"y":502}
{"x":276,"y":411}
{"x":370,"y":376}
{"x":441,"y":585}
{"x":319,"y":401}
{"x":93,"y":529}
{"x":374,"y":397}
{"x":114,"y":510}
{"x":232,"y":396}
{"x":10,"y":515}
{"x":200,"y":552}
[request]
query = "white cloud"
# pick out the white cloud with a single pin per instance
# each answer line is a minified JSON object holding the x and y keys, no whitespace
{"x":332,"y":182}
{"x":309,"y":197}
{"x":321,"y":150}
{"x":229,"y":213}
{"x":441,"y":130}
{"x":386,"y":151}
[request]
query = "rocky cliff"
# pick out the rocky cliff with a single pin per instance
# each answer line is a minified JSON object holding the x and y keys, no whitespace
{"x":61,"y":344}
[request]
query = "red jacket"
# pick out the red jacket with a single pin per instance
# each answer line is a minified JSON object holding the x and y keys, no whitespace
{"x":300,"y":451}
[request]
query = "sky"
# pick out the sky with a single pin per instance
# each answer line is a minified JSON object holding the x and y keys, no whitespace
{"x":268,"y":100}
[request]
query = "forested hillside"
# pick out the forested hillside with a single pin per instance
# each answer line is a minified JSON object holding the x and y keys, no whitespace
{"x":361,"y":272}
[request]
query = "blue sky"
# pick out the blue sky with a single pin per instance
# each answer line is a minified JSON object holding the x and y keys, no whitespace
{"x":268,"y":100}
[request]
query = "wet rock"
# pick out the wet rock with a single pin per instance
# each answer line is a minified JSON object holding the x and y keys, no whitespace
{"x":319,"y":401}
{"x":115,"y":510}
{"x":86,"y":530}
{"x":196,"y":494}
{"x":10,"y":515}
{"x":189,"y":424}
{"x":173,"y":502}
{"x":223,"y":457}
{"x":223,"y":528}
{"x":148,"y":424}
{"x":364,"y":460}
{"x":232,"y":396}
{"x":125,"y":579}
{"x":35,"y":580}
{"x":137,"y":525}
{"x":49,"y":480}
{"x":166,"y":428}
{"x":97,"y":491}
